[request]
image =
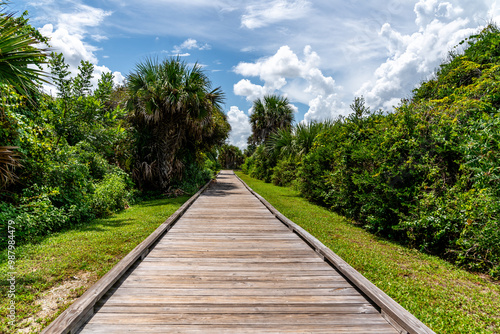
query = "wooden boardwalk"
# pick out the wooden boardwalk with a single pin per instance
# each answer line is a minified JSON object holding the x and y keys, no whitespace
{"x":228,"y":265}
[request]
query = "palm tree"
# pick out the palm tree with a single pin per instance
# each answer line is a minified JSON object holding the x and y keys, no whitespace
{"x":18,"y":54}
{"x":171,"y":105}
{"x":297,"y":142}
{"x":19,"y":58}
{"x":271,"y":113}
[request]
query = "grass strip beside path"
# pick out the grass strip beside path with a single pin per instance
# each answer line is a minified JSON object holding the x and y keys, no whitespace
{"x":444,"y":297}
{"x":53,"y":273}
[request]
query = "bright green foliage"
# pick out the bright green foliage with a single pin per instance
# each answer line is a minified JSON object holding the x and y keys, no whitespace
{"x":285,"y":172}
{"x":111,"y":194}
{"x":427,"y":174}
{"x":230,"y":156}
{"x":67,"y":147}
{"x":278,"y":159}
{"x":260,"y":164}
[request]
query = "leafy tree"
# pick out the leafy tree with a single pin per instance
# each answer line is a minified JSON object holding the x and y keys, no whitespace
{"x":271,"y":113}
{"x":104,"y":89}
{"x":81,"y":84}
{"x":171,"y":106}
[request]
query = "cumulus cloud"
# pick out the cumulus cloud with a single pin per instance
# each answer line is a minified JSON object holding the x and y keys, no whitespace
{"x":270,"y":12}
{"x":72,"y":46}
{"x":300,"y":80}
{"x":240,"y":127}
{"x":69,"y":34}
{"x":251,"y":91}
{"x":429,"y":10}
{"x":414,"y":57}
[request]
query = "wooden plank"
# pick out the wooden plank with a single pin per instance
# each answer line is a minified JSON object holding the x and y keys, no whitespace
{"x":241,"y":275}
{"x":241,"y":300}
{"x":392,"y":309}
{"x":230,"y":266}
{"x":73,"y":315}
{"x":226,"y":291}
{"x":366,"y":319}
{"x":333,"y":308}
{"x":237,"y":328}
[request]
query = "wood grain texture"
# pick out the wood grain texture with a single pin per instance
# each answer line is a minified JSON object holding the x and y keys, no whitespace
{"x":394,"y":313}
{"x":229,"y":265}
{"x":71,"y":319}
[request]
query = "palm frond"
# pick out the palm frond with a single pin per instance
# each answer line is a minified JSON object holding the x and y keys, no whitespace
{"x":19,"y":56}
{"x":9,"y":160}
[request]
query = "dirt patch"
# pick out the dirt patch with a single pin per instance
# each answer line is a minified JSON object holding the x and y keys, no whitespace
{"x":51,"y":301}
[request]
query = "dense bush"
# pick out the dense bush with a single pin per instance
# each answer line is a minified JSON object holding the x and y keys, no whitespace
{"x":64,"y":179}
{"x":260,"y":164}
{"x":111,"y":194}
{"x":285,"y":172}
{"x":426,"y":174}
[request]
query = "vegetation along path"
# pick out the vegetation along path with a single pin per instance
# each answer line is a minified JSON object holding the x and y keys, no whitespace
{"x":232,"y":263}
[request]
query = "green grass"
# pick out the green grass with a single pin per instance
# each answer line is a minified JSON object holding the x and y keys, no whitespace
{"x":90,"y":250}
{"x":444,"y":297}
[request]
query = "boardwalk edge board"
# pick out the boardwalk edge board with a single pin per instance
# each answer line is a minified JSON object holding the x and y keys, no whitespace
{"x":82,"y":309}
{"x":395,"y":314}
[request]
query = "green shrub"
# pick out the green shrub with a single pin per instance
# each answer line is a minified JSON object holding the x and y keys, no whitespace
{"x":285,"y":172}
{"x":428,"y":173}
{"x":110,"y":195}
{"x":35,"y":217}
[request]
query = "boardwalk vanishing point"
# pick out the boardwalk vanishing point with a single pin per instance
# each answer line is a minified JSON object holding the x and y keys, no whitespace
{"x":228,"y":262}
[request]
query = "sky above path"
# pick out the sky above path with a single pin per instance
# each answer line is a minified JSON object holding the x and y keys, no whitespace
{"x":319,"y":53}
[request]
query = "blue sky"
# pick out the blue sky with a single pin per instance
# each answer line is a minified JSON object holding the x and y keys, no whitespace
{"x":320,"y":54}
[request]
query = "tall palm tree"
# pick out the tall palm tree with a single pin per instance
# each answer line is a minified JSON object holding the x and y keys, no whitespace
{"x":171,"y":105}
{"x":271,"y":113}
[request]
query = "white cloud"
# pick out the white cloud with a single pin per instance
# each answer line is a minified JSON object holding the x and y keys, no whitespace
{"x":429,"y":10}
{"x":251,"y":91}
{"x":414,"y":57}
{"x":82,"y":17}
{"x":99,"y":38}
{"x":299,"y":80}
{"x":189,"y":44}
{"x":240,"y":127}
{"x":267,"y":13}
{"x":69,"y":34}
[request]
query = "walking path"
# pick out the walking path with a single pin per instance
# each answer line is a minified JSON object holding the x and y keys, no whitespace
{"x":229,"y":265}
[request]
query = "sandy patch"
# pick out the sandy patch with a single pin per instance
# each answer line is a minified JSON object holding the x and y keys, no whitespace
{"x":52,"y":300}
